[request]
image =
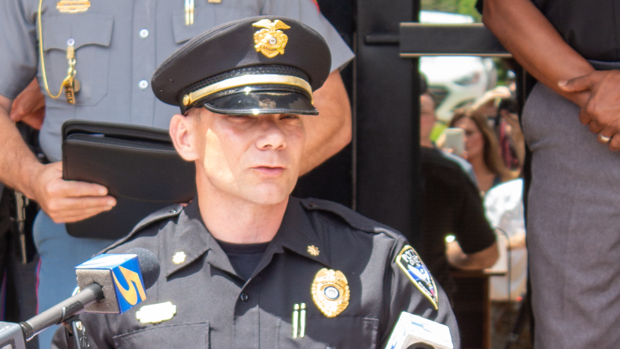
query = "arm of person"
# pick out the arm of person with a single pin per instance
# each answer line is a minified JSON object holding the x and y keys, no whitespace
{"x":29,"y":106}
{"x":473,"y":261}
{"x":63,"y":201}
{"x":517,"y":241}
{"x":330,"y":131}
{"x":535,"y":44}
{"x":423,"y":297}
{"x":540,"y":49}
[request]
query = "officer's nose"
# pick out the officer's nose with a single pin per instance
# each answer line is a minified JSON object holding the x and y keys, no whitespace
{"x":271,"y":135}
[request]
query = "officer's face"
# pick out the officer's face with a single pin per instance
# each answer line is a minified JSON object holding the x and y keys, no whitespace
{"x":252,"y":157}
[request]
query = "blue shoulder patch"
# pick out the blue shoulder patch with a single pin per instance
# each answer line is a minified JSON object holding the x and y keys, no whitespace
{"x":411,"y":264}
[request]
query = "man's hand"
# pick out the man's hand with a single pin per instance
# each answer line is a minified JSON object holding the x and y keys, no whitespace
{"x":29,"y":106}
{"x":601,"y":112}
{"x":68,"y":201}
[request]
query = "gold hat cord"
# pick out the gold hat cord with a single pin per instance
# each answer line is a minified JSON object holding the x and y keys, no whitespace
{"x":70,"y":83}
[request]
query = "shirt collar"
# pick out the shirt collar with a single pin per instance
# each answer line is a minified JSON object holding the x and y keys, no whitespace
{"x":298,"y":235}
{"x":191,"y":239}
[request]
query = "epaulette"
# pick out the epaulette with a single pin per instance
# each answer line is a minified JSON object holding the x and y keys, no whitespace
{"x":352,"y":218}
{"x":166,"y":212}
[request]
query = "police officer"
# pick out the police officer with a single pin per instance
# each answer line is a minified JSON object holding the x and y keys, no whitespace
{"x":245,"y":265}
{"x":108,"y":50}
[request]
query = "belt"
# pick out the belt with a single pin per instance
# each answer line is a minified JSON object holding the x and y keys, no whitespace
{"x":601,"y":65}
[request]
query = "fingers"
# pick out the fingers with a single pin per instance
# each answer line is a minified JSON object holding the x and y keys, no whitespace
{"x":614,"y":143}
{"x":579,"y":84}
{"x":69,"y":201}
{"x":594,"y":127}
{"x":68,"y":215}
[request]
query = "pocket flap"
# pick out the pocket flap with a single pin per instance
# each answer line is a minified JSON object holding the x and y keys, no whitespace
{"x":85,"y":29}
{"x":193,"y":335}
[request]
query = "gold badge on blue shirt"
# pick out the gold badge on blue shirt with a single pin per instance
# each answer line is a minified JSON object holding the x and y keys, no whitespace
{"x":330,"y":292}
{"x":411,"y":264}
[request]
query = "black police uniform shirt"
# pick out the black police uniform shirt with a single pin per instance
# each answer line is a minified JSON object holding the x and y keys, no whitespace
{"x":216,"y":308}
{"x":451,"y":205}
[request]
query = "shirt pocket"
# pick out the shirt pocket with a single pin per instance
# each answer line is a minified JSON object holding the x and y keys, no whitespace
{"x":92,"y":34}
{"x":334,"y":333}
{"x":181,"y":336}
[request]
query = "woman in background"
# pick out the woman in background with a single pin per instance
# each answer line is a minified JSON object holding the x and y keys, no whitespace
{"x":482,"y":149}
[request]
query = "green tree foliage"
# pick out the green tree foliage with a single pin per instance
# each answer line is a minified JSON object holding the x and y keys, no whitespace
{"x":466,"y":7}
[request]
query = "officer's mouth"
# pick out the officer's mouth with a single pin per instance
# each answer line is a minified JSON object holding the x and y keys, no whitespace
{"x":270,"y":171}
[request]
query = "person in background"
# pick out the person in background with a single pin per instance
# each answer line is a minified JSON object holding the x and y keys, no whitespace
{"x":428,"y":119}
{"x":451,"y":207}
{"x":114,"y":47}
{"x":510,"y":135}
{"x":504,"y":209}
{"x":482,"y":148}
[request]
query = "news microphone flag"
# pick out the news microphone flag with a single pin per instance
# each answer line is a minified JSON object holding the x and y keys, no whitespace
{"x":120,"y":276}
{"x":415,"y":332}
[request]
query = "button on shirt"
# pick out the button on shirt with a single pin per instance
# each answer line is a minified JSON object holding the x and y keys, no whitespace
{"x":116,"y":53}
{"x":217,"y":308}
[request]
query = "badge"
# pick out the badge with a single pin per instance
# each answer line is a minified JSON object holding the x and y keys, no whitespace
{"x":156,"y":313}
{"x":410,"y":263}
{"x":72,"y":6}
{"x":330,"y":292}
{"x":270,"y":41}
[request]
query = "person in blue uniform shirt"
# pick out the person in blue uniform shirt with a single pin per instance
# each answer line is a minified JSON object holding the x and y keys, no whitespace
{"x":114,"y":47}
{"x":246,"y":265}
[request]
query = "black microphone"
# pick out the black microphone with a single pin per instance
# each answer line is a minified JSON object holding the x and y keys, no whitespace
{"x":109,"y":283}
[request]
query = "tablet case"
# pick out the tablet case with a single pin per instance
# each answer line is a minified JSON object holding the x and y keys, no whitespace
{"x":138,"y":165}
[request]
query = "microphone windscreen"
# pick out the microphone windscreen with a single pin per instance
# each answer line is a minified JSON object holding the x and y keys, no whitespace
{"x":149,"y":265}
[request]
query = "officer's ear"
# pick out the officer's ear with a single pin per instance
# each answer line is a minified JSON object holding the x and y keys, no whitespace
{"x":183,"y":134}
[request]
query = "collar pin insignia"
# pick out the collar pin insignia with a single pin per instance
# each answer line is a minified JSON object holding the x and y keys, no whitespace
{"x":270,"y":41}
{"x":330,"y":292}
{"x":178,"y":257}
{"x":313,"y":250}
{"x":156,"y":313}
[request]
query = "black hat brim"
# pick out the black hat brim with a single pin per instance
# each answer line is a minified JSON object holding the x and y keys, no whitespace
{"x":262,"y":102}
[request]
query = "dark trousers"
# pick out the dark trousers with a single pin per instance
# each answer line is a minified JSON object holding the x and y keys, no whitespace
{"x":18,"y":281}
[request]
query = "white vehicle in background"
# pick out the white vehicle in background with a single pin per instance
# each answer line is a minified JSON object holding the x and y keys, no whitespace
{"x":455,"y":81}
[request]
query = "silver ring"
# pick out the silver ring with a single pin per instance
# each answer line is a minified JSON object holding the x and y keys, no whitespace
{"x":603,"y":139}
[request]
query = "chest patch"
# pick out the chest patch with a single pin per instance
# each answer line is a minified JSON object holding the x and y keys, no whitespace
{"x":411,"y":264}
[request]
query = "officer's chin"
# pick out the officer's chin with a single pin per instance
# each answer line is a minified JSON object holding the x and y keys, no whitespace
{"x":270,"y":193}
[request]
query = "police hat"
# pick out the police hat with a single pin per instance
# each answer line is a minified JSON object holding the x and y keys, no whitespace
{"x":258,"y":65}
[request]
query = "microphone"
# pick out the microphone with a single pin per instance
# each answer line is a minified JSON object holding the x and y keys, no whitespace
{"x":415,"y":332}
{"x":109,"y":283}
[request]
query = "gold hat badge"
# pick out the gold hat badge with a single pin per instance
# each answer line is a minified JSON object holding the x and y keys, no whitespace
{"x":270,"y":41}
{"x":330,"y":292}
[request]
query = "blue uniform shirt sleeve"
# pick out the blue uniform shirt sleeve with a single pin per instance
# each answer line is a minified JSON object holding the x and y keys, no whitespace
{"x":18,"y":46}
{"x":307,"y":11}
